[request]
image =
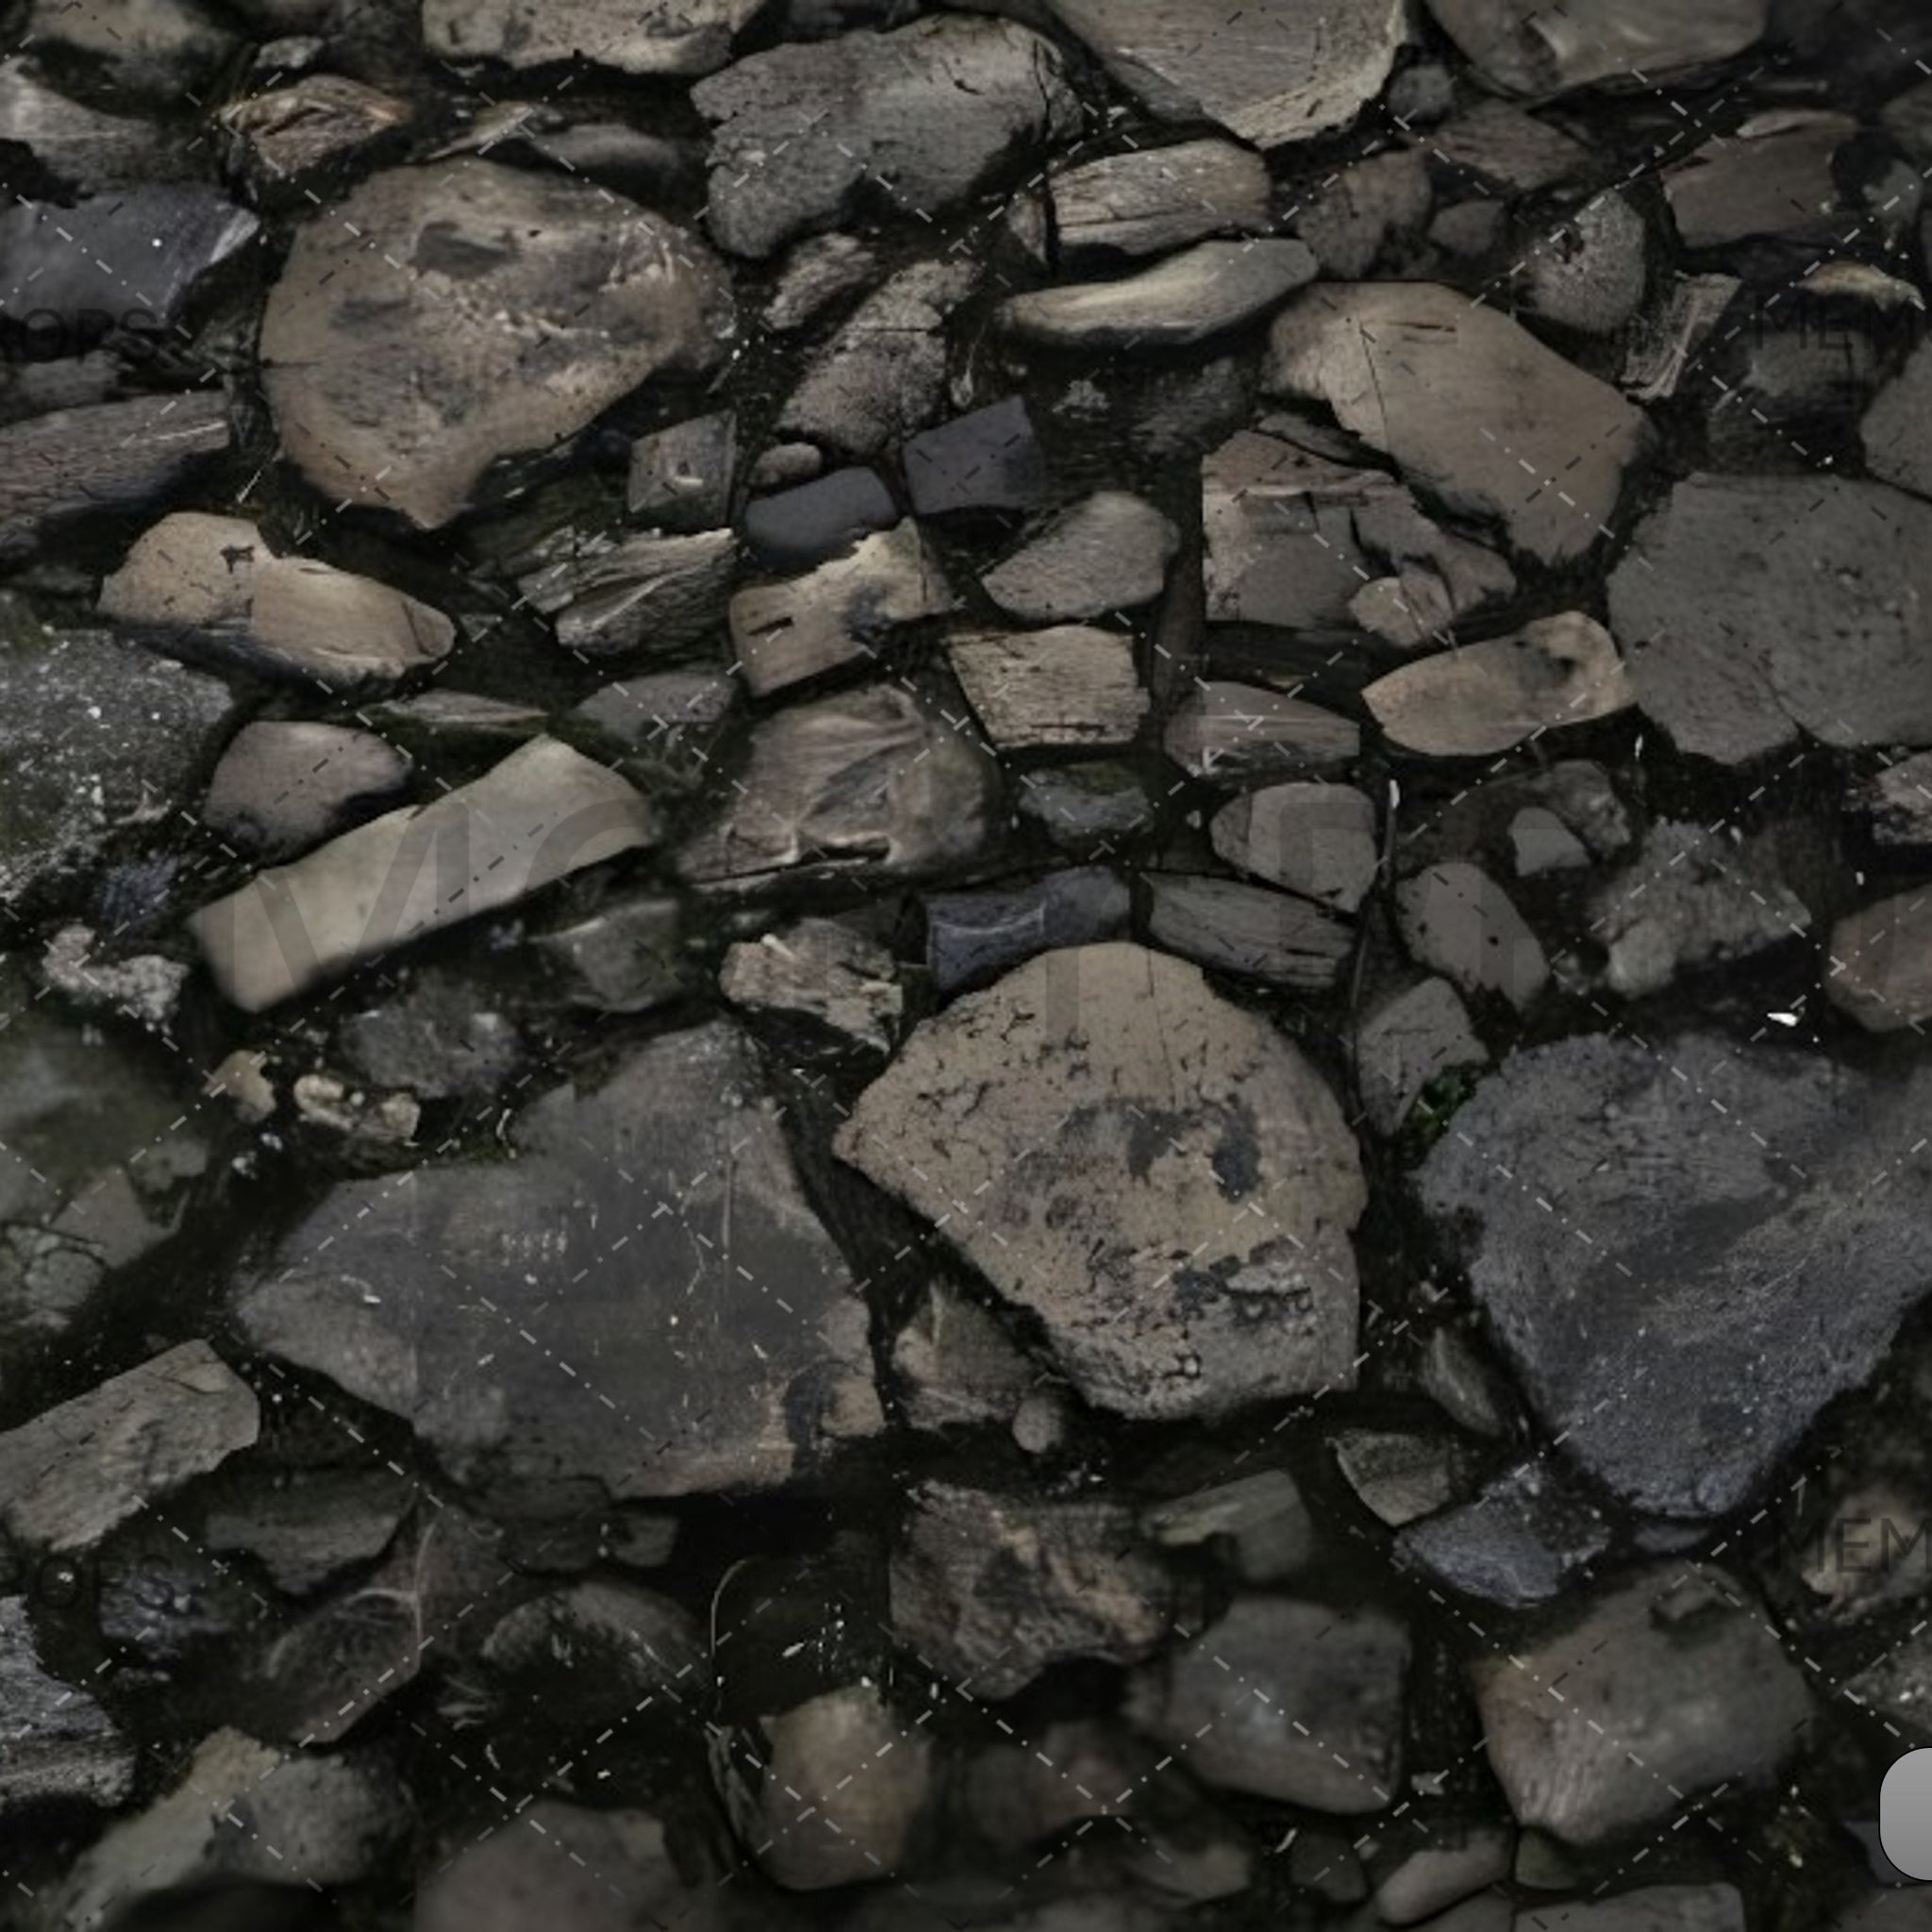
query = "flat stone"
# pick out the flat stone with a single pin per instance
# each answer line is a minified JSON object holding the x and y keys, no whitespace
{"x":1520,"y":48}
{"x":1440,"y":1874}
{"x":309,"y":1529}
{"x":624,"y":959}
{"x":1672,"y":1684}
{"x":1160,"y":1299}
{"x":1659,"y":1350}
{"x":972,"y":938}
{"x":931,"y":109}
{"x":1213,"y":288}
{"x":1664,"y":1908}
{"x":706,"y":1379}
{"x":797,"y":528}
{"x":821,"y":971}
{"x":1894,"y":427}
{"x":1312,"y":839}
{"x":439,"y":1036}
{"x":1365,"y":212}
{"x":845,"y":612}
{"x":1248,"y":929}
{"x":57,"y":1744}
{"x":1234,"y":732}
{"x":681,"y":477}
{"x":543,"y":812}
{"x":282,"y":786}
{"x":1409,"y":1041}
{"x":990,"y":459}
{"x":1278,"y":75}
{"x":1109,"y":552}
{"x":1086,"y":808}
{"x":817,"y":273}
{"x":1456,"y":920}
{"x":1151,"y":201}
{"x":1517,"y":1543}
{"x":641,"y":592}
{"x":1738,"y":638}
{"x":1590,"y":274}
{"x":1772,"y":176}
{"x":1070,"y":688}
{"x":1471,"y":407}
{"x":1286,"y":1700}
{"x":76,"y":1470}
{"x":673,"y":37}
{"x":399,"y":387}
{"x":281,"y":138}
{"x":876,"y":781}
{"x":1501,"y":149}
{"x":1480,"y":699}
{"x":1878,"y":966}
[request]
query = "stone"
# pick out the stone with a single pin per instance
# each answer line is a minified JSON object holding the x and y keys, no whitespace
{"x":1893,"y":1690}
{"x":650,"y":37}
{"x":1661,"y":1909}
{"x":1502,"y":150}
{"x":1738,"y":637}
{"x":1470,"y":408}
{"x":440,"y":1036}
{"x":159,"y":48}
{"x":1772,"y":177}
{"x":972,"y":938}
{"x":1437,"y":1875}
{"x":1279,"y":76}
{"x":1213,"y":288}
{"x":819,"y":271}
{"x":1463,"y":1384}
{"x":624,"y":959}
{"x":820,"y":971}
{"x":1658,"y":1347}
{"x":989,"y":1591}
{"x":1152,"y":201}
{"x":797,"y":528}
{"x":928,"y":113}
{"x":873,"y":780}
{"x":1399,"y":1475}
{"x":543,"y":813}
{"x":529,"y":304}
{"x":145,"y":988}
{"x":596,"y":1650}
{"x":1517,"y":1543}
{"x":1083,"y":1052}
{"x":1073,"y":688}
{"x":1898,"y":802}
{"x":1109,"y":552}
{"x":455,"y":723}
{"x":377,"y":1120}
{"x":281,"y":138}
{"x":1893,"y":429}
{"x":1313,"y":839}
{"x":989,"y":460}
{"x":1263,"y":1519}
{"x":57,"y":1744}
{"x":1088,"y":806}
{"x":89,"y":149}
{"x":1369,"y":208}
{"x":1665,"y":345}
{"x":842,"y":614}
{"x":955,"y":1366}
{"x":1286,"y":1700}
{"x":1457,"y":921}
{"x":313,"y":1526}
{"x":643,"y":593}
{"x":1671,"y":1684}
{"x":692,"y":1374}
{"x":1690,"y":899}
{"x":1234,"y":732}
{"x":1519,"y":48}
{"x":282,"y":786}
{"x":784,"y":464}
{"x":1591,"y":274}
{"x":1480,"y":699}
{"x":681,"y":478}
{"x":1541,"y":843}
{"x":882,"y":377}
{"x":1408,"y":1042}
{"x":672,"y":718}
{"x":160,"y":1598}
{"x":76,"y":1470}
{"x":1234,"y":928}
{"x":1879,"y":963}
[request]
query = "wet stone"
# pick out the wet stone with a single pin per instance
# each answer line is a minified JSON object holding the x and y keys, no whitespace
{"x":281,"y":788}
{"x":821,"y":971}
{"x":1235,"y":927}
{"x":972,"y":938}
{"x":797,"y":528}
{"x":1151,"y":201}
{"x":1456,"y":920}
{"x":988,"y":460}
{"x":681,"y":477}
{"x":1073,"y":688}
{"x":1109,"y":552}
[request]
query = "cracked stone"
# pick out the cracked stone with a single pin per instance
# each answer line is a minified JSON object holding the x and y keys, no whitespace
{"x":1070,"y":688}
{"x":1152,"y":201}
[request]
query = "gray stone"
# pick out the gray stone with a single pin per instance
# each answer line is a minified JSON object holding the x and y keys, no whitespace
{"x":987,"y":1590}
{"x":972,"y":938}
{"x":1085,"y":807}
{"x":1160,"y":1299}
{"x":1672,"y":1684}
{"x":954,"y":1364}
{"x":1290,"y":1701}
{"x":595,"y":1651}
{"x":1772,"y":176}
{"x":1234,"y":732}
{"x":1213,"y":288}
{"x":1894,"y":427}
{"x":1898,"y":802}
{"x":1072,"y":688}
{"x":1368,"y":209}
{"x":312,"y":1526}
{"x":1251,"y":930}
{"x":928,"y":111}
{"x":1521,"y":48}
{"x":692,"y":1374}
{"x":681,"y":477}
{"x":1659,"y":1346}
{"x":527,"y":305}
{"x":1502,"y":150}
{"x":824,"y":972}
{"x":279,"y":139}
{"x":441,"y":1036}
{"x":1541,"y":843}
{"x":1592,"y":272}
{"x":1109,"y":552}
{"x":1313,"y":839}
{"x":1261,"y":1518}
{"x":91,"y":149}
{"x":784,"y":464}
{"x":1456,"y":920}
{"x":1517,"y":1543}
{"x":670,"y":37}
{"x":1151,"y":201}
{"x":1437,"y":1875}
{"x":624,"y":959}
{"x":816,"y":273}
{"x":1896,"y":1688}
{"x":1660,"y":1909}
{"x":57,"y":1744}
{"x":990,"y":459}
{"x":797,"y":528}
{"x":282,"y":786}
{"x":543,"y":813}
{"x":1471,"y":407}
{"x":145,"y":988}
{"x":645,"y":592}
{"x":1878,"y":965}
{"x":1408,"y":1041}
{"x":160,"y":48}
{"x":160,"y":1598}
{"x":1462,"y":1383}
{"x":1665,"y":345}
{"x":673,"y":718}
{"x":1399,"y":1475}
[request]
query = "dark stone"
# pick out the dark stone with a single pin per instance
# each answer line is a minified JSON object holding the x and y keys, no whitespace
{"x":1517,"y":1543}
{"x":797,"y":528}
{"x":972,"y":938}
{"x":988,"y":460}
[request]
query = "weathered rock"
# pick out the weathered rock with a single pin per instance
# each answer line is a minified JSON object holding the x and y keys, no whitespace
{"x":797,"y":528}
{"x":1504,"y":151}
{"x":1665,"y":346}
{"x":314,"y":1526}
{"x":1434,"y":1876}
{"x":1523,"y":49}
{"x":1216,"y":286}
{"x":645,"y":592}
{"x":1456,"y":920}
{"x":677,"y":37}
{"x":1878,"y":966}
{"x":1480,"y":699}
{"x":1151,"y":201}
{"x":1898,"y":802}
{"x":56,"y":1742}
{"x":972,"y":938}
{"x":818,"y":273}
{"x":597,"y":1650}
{"x":154,"y":47}
{"x":690,"y":1374}
{"x":282,"y":786}
{"x":543,"y":813}
{"x":842,"y":614}
{"x":1772,"y":176}
{"x":1673,"y":1684}
{"x":1261,"y":1518}
{"x":1397,"y":1475}
{"x":1313,"y":839}
{"x":920,"y":117}
{"x":280,"y":138}
{"x":823,"y":970}
{"x":1070,"y":688}
{"x":1247,"y":929}
{"x":1159,"y":1298}
{"x":1541,"y":843}
{"x":1470,"y":406}
{"x":1592,"y":272}
{"x":75,"y":1472}
{"x":1086,"y":808}
{"x":1739,"y":637}
{"x":145,"y":987}
{"x":1233,"y":732}
{"x":1276,"y":76}
{"x":1409,"y":1041}
{"x":990,"y":459}
{"x":1351,"y":221}
{"x":1109,"y":552}
{"x":525,"y":306}
{"x":1668,"y":1908}
{"x":91,"y":149}
{"x":440,"y":1036}
{"x":1660,"y":1347}
{"x":681,"y":477}
{"x":624,"y":959}
{"x":1894,"y":427}
{"x":955,"y":1365}
{"x":1290,"y":1701}
{"x":1517,"y":1543}
{"x":989,"y":1591}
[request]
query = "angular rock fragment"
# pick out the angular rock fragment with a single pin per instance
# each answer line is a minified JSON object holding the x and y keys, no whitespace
{"x":676,"y":37}
{"x":641,"y":592}
{"x":990,"y":459}
{"x":1440,"y":1874}
{"x":1898,"y":802}
{"x":989,"y":1591}
{"x":1085,"y":807}
{"x":1151,"y":201}
{"x":1470,"y":406}
{"x":1232,"y":732}
{"x":1590,"y":274}
{"x":681,"y":477}
{"x":624,"y":959}
{"x":57,"y":1744}
{"x":278,"y":138}
{"x":1159,"y":1297}
{"x":1456,"y":920}
{"x":1541,"y":843}
{"x":1772,"y":177}
{"x":1523,"y":48}
{"x":1216,"y":286}
{"x":283,"y":787}
{"x":91,"y":149}
{"x":1480,"y":699}
{"x":1070,"y":688}
{"x":972,"y":938}
{"x":1109,"y":552}
{"x":824,"y":972}
{"x":917,"y":119}
{"x":1397,"y":1475}
{"x":1409,"y":1041}
{"x":439,"y":1037}
{"x":1674,"y":1683}
{"x":1261,"y":1517}
{"x":799,"y":527}
{"x":1894,"y":427}
{"x":818,"y":273}
{"x":673,"y":717}
{"x":1369,"y":207}
{"x":842,"y":614}
{"x":955,"y":1365}
{"x":310,"y":1530}
{"x":1665,"y":346}
{"x":1516,"y":1543}
{"x":1504,"y":151}
{"x":1248,"y":929}
{"x":525,"y":306}
{"x":1878,"y":966}
{"x":1313,"y":839}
